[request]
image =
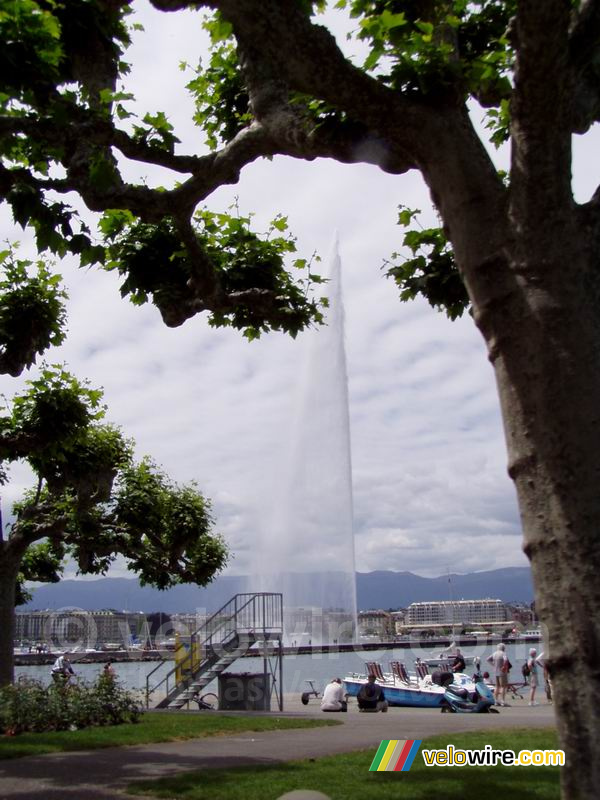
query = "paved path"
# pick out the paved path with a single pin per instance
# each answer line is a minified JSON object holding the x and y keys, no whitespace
{"x":104,"y":774}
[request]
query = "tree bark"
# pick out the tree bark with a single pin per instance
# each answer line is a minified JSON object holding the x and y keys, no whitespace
{"x":534,"y":293}
{"x":9,"y":570}
{"x":548,"y":376}
{"x":535,"y":301}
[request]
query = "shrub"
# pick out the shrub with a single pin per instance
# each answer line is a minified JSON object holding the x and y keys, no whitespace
{"x":29,"y":706}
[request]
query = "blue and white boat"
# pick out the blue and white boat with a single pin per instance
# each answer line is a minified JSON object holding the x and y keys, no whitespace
{"x":399,"y":694}
{"x":414,"y":693}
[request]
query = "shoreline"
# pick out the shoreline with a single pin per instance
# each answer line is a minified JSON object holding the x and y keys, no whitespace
{"x":118,"y":656}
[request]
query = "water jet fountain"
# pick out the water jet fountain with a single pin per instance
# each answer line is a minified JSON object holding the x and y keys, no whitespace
{"x":308,"y":549}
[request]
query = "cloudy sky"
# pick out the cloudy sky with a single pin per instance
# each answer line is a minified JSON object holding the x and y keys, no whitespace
{"x":431,"y":491}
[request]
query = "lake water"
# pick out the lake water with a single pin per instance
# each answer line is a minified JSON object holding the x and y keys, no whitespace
{"x":320,"y":667}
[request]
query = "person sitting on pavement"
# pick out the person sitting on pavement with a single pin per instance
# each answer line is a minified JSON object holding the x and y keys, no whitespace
{"x":333,"y":697}
{"x":62,"y":671}
{"x":371,"y":696}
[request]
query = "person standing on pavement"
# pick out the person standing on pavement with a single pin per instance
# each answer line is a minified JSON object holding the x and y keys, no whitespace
{"x":499,"y":660}
{"x":543,"y":662}
{"x":533,"y":665}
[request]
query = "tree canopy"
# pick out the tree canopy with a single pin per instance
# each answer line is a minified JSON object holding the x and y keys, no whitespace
{"x":275,"y":83}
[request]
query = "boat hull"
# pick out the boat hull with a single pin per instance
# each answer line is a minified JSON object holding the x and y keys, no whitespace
{"x":401,"y":695}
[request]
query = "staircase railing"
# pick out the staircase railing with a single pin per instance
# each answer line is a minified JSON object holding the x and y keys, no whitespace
{"x":257,"y":613}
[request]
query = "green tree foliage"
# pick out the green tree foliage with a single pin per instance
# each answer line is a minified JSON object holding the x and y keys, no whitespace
{"x":91,"y":502}
{"x":156,"y":266}
{"x":434,"y":52}
{"x":32,"y":316}
{"x":60,"y":71}
{"x":430,"y":270}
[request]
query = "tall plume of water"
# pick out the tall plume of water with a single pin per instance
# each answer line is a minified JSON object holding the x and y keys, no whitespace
{"x":309,"y":549}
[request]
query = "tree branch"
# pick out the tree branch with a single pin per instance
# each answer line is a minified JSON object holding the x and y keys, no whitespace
{"x":281,"y":50}
{"x":585,"y":33}
{"x":589,"y":216}
{"x":203,"y":282}
{"x":10,"y":177}
{"x":281,"y":130}
{"x":583,"y":55}
{"x":282,"y":53}
{"x":37,"y":526}
{"x":18,"y":445}
{"x":175,"y":5}
{"x":541,"y":136}
{"x":139,"y":151}
{"x":224,"y":166}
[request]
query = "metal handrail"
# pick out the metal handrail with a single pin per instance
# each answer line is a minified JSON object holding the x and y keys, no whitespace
{"x":241,"y":613}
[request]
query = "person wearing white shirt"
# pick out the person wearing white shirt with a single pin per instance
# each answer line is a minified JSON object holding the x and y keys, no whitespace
{"x":62,"y":671}
{"x":499,"y":660}
{"x":333,"y":697}
{"x":533,"y":675}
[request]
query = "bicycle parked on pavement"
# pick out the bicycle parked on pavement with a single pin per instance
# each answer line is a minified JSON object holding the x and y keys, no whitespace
{"x":206,"y":702}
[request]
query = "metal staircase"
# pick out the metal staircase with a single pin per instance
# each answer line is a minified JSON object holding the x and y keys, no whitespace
{"x":246,"y":621}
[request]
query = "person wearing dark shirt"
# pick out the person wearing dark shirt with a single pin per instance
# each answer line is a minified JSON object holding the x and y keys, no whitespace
{"x":371,"y":696}
{"x":458,"y":664}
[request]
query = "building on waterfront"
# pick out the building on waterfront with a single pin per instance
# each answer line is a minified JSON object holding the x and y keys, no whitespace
{"x":399,"y":618}
{"x":72,"y":628}
{"x":377,"y":624}
{"x":523,"y":614}
{"x":457,"y":614}
{"x":30,"y":626}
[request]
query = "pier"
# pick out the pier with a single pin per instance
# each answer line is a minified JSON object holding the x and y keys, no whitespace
{"x":116,"y":656}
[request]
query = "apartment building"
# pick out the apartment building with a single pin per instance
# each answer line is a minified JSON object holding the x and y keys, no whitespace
{"x":70,"y":628}
{"x":459,"y":613}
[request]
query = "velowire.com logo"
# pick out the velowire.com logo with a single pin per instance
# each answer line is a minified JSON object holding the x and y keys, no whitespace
{"x":395,"y":755}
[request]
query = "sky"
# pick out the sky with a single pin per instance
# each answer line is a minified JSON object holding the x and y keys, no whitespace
{"x":431,"y":492}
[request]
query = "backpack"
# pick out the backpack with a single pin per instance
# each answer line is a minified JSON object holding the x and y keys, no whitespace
{"x":525,"y":671}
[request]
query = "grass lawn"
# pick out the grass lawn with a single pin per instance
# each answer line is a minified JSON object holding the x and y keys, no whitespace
{"x":163,"y":727}
{"x":347,"y":777}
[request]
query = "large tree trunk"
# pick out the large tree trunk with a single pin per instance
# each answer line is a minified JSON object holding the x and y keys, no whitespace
{"x":541,"y":323}
{"x":9,"y":569}
{"x":548,"y":372}
{"x":530,"y":267}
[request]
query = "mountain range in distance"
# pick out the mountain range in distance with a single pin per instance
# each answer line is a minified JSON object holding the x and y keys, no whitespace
{"x":381,"y":589}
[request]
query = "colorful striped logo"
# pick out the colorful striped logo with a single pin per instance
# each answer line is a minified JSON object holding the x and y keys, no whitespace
{"x":395,"y":755}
